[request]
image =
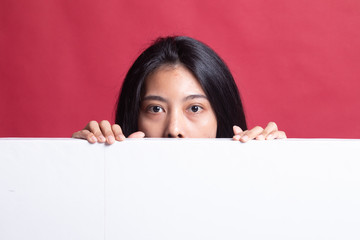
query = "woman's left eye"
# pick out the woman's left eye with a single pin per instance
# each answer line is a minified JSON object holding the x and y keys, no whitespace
{"x":195,"y":109}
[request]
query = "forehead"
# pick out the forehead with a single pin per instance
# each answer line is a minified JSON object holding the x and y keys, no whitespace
{"x":172,"y":77}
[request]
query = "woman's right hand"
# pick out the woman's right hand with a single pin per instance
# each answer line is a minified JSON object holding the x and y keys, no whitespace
{"x":104,"y":132}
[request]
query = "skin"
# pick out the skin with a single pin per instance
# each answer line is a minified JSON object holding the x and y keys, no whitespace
{"x":174,"y":105}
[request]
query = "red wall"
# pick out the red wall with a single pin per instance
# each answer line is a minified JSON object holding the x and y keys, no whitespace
{"x":296,"y":62}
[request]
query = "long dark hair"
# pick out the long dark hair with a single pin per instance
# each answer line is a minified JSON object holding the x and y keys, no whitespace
{"x":207,"y":67}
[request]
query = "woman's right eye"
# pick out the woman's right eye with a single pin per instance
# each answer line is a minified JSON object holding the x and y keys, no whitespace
{"x":155,"y":109}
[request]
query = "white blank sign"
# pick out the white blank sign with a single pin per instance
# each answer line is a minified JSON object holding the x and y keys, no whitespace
{"x":179,"y":189}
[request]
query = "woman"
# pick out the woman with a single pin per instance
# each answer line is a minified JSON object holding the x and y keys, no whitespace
{"x":179,"y":88}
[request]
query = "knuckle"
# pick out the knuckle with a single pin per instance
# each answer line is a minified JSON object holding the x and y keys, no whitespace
{"x":83,"y":132}
{"x":94,"y":131}
{"x":272,"y":124}
{"x":244,"y":133}
{"x":283,"y":134}
{"x":104,"y":123}
{"x":108,"y":133}
{"x":274,"y":132}
{"x":93,"y":122}
{"x":116,"y":128}
{"x":91,"y":125}
{"x":258,"y":128}
{"x":86,"y":134}
{"x":98,"y":134}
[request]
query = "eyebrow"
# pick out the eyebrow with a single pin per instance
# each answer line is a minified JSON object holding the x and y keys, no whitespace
{"x":194,"y":96}
{"x":154,"y":97}
{"x":161,"y":99}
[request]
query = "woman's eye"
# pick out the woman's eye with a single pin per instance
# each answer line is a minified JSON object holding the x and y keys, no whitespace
{"x":195,"y":109}
{"x":155,"y":109}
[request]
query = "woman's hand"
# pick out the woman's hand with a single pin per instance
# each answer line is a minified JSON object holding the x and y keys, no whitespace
{"x":104,"y":132}
{"x":270,"y":132}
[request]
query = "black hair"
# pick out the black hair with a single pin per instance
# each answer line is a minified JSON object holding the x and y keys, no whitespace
{"x":207,"y":67}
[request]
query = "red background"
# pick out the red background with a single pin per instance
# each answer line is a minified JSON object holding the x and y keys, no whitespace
{"x":295,"y":62}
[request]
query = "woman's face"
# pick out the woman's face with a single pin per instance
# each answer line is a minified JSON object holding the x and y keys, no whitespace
{"x":175,"y":105}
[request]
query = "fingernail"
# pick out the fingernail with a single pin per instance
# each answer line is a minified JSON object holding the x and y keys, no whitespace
{"x":93,"y":139}
{"x":269,"y":137}
{"x":236,"y":137}
{"x":121,"y":137}
{"x":102,"y":139}
{"x":260,"y":137}
{"x":245,"y":138}
{"x":111,"y":139}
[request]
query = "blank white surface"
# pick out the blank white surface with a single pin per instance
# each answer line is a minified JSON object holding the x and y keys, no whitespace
{"x":51,"y":189}
{"x":229,"y":190}
{"x":180,"y":189}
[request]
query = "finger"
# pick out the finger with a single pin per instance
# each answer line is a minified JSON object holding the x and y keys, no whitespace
{"x":276,"y":135}
{"x":106,"y":129}
{"x":138,"y":134}
{"x":237,"y":132}
{"x":271,"y":127}
{"x":119,"y":136}
{"x":239,"y":136}
{"x":85,"y":134}
{"x":93,"y":127}
{"x":251,"y":134}
{"x":282,"y":135}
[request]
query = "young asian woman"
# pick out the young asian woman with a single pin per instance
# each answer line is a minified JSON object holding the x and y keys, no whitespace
{"x":178,"y":88}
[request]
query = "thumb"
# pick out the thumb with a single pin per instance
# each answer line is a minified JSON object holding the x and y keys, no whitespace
{"x":138,"y":134}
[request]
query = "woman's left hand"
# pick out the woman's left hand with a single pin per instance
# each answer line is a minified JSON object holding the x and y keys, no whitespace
{"x":270,"y":132}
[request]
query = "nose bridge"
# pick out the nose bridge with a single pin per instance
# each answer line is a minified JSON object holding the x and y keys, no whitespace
{"x":175,"y":124}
